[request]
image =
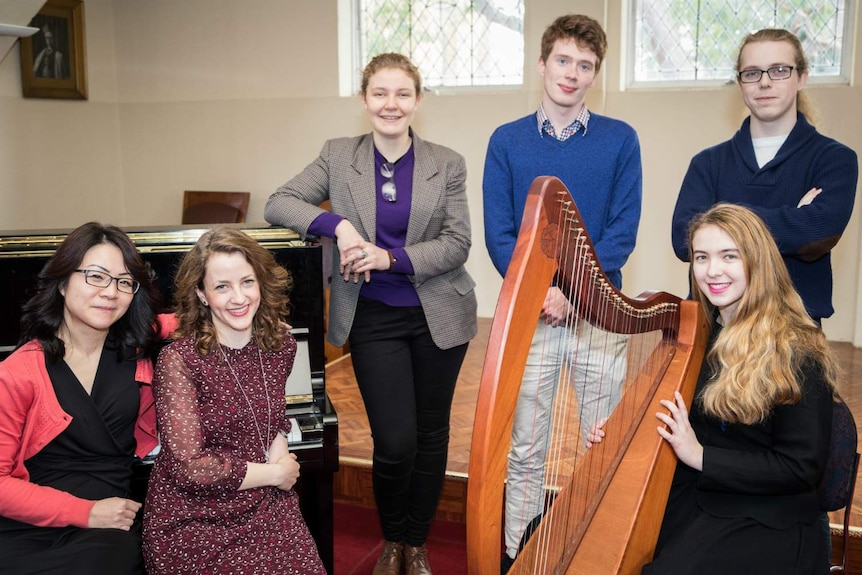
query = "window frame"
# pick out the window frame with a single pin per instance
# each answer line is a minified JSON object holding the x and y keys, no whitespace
{"x":629,"y":11}
{"x":350,"y":67}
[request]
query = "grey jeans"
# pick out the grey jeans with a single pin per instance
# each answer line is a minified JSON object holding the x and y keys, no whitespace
{"x":593,"y":362}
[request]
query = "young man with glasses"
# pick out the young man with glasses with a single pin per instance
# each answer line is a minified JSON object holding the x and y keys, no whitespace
{"x":801,"y":183}
{"x":598,"y":159}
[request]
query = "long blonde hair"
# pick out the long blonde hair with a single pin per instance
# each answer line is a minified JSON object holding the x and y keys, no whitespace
{"x":757,"y":359}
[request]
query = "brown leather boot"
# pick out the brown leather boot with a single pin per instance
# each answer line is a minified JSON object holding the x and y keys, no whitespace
{"x":389,"y":562}
{"x":416,"y":560}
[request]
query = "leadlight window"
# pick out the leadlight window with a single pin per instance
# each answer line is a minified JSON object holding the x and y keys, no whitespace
{"x":691,"y":42}
{"x":454,"y":43}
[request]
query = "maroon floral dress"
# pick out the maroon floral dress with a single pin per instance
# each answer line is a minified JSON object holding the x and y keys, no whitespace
{"x":212,"y":418}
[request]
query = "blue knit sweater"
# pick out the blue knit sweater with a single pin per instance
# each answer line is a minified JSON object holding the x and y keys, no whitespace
{"x":728,"y":172}
{"x":601,"y":169}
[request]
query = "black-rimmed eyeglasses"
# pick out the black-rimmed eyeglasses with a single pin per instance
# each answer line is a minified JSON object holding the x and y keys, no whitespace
{"x":389,"y":191}
{"x":774,"y":73}
{"x":99,"y":279}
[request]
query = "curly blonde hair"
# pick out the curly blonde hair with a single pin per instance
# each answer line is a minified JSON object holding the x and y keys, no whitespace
{"x":274,"y":281}
{"x":758,"y":357}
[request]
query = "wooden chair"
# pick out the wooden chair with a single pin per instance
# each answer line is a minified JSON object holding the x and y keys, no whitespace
{"x":838,"y":484}
{"x":841,"y":567}
{"x":214,"y":207}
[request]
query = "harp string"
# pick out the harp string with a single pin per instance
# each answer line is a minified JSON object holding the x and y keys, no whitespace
{"x":589,"y":535}
{"x":561,"y":419}
{"x":584,"y":345}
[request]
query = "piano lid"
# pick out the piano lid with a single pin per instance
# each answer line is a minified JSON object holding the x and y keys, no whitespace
{"x":299,"y":388}
{"x":23,"y":253}
{"x":149,"y":239}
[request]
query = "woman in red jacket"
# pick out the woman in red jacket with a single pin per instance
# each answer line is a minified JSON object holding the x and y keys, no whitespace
{"x":77,"y":409}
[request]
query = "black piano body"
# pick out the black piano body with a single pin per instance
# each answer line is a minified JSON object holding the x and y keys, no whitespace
{"x":23,"y":253}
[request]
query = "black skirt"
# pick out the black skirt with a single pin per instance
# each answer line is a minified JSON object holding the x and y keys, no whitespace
{"x":710,"y":545}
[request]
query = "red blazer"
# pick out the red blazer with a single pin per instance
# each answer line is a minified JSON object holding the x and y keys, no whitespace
{"x":31,"y":417}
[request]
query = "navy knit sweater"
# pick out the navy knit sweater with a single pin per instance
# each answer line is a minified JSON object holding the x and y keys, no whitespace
{"x":728,"y":172}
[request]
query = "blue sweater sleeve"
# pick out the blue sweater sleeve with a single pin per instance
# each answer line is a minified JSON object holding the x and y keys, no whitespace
{"x":696,"y":195}
{"x":810,"y":231}
{"x":498,"y":197}
{"x":620,"y":231}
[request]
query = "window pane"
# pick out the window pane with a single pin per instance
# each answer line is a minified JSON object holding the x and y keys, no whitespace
{"x":692,"y":40}
{"x":453,"y":42}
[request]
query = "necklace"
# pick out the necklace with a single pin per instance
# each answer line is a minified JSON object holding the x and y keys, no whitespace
{"x":260,"y":435}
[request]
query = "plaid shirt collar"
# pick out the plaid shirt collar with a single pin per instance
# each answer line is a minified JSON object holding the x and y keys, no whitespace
{"x":545,"y":126}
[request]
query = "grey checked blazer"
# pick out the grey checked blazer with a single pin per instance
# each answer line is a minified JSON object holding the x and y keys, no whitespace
{"x":438,"y":231}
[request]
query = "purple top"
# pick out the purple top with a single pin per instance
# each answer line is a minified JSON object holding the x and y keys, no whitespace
{"x":392,"y":287}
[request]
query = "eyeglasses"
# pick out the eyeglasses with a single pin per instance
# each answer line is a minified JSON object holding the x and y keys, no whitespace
{"x":387,"y":170}
{"x":775,"y":73}
{"x":99,"y":279}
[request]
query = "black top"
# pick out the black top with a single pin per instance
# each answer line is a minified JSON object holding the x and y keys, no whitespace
{"x":768,"y":471}
{"x":92,"y":458}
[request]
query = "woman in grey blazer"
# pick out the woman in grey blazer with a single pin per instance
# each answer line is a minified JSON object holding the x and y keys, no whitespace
{"x":400,"y":294}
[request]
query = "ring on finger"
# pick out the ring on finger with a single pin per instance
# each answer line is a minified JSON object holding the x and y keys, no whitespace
{"x":364,"y":254}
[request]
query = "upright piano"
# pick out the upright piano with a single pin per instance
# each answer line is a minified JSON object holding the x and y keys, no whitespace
{"x":315,"y":435}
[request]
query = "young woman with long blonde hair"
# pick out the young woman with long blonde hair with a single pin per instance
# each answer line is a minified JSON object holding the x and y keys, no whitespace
{"x":753,"y":448}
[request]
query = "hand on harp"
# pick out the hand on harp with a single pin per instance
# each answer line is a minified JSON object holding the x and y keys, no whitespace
{"x":679,"y":433}
{"x":556,"y":308}
{"x":596,"y":433}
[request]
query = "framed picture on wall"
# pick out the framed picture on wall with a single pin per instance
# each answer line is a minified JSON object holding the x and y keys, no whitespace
{"x":54,"y":59}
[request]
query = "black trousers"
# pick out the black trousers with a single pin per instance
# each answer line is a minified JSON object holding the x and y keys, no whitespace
{"x":407,"y":384}
{"x":71,"y":551}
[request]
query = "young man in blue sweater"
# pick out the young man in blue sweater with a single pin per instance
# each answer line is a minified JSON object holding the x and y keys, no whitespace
{"x":801,"y":183}
{"x":598,"y":159}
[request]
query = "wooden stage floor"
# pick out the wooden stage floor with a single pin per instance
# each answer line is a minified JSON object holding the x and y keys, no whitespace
{"x":355,"y":439}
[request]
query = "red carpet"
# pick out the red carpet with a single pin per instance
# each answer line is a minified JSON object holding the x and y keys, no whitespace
{"x":358,"y":543}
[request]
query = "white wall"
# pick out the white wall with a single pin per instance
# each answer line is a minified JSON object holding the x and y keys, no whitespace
{"x":229,"y":95}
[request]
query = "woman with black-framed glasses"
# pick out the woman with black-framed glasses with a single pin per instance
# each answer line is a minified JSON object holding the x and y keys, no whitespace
{"x":98,"y":278}
{"x":404,"y":300}
{"x":77,"y":409}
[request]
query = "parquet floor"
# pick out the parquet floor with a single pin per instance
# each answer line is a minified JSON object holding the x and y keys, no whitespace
{"x":355,"y":439}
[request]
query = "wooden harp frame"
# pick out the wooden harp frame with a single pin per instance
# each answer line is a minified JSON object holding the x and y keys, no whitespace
{"x":620,"y":527}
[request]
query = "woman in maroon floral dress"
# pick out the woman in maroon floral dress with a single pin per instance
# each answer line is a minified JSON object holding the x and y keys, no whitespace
{"x":220,"y":498}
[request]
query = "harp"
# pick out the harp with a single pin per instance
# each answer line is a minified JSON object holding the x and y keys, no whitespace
{"x":603,"y":506}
